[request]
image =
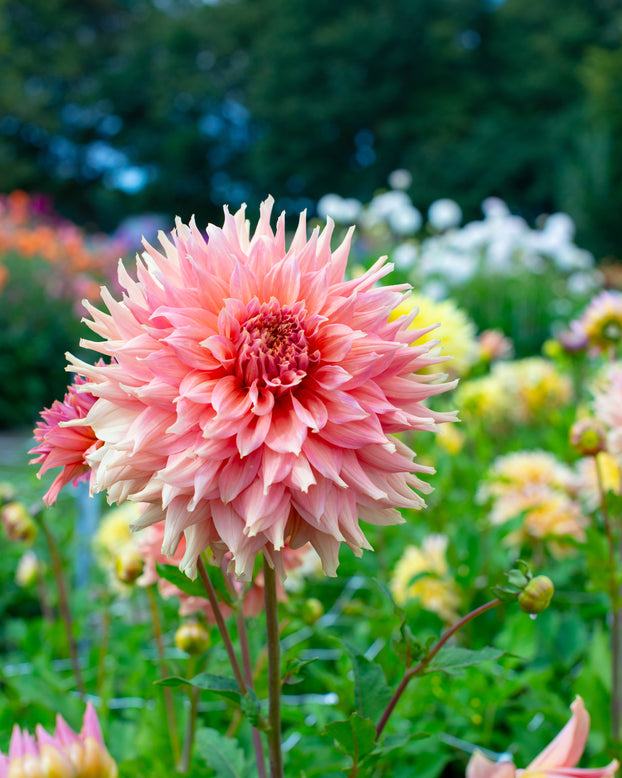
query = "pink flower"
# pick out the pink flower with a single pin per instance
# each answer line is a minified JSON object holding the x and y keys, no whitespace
{"x":61,"y":443}
{"x":254,"y":393}
{"x":149,"y":546}
{"x":64,"y":753}
{"x":558,"y":759}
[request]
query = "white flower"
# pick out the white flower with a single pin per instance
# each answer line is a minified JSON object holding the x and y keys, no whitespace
{"x":444,"y":214}
{"x":404,"y":255}
{"x":406,"y":220}
{"x":400,"y":179}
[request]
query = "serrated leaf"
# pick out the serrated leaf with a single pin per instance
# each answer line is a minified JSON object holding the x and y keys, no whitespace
{"x":356,"y":736}
{"x":452,"y":658}
{"x":221,"y":753}
{"x":371,"y":692}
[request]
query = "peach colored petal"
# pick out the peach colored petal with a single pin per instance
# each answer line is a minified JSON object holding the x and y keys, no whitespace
{"x":568,"y":746}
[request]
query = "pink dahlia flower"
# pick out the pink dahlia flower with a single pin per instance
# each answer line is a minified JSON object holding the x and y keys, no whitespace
{"x":65,"y":753}
{"x":253,"y":394}
{"x":150,"y":545}
{"x":558,"y":759}
{"x":60,"y":443}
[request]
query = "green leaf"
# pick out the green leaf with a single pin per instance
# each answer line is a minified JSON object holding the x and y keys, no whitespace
{"x":356,"y":736}
{"x":221,"y":753}
{"x":452,"y":658}
{"x":221,"y":684}
{"x":371,"y":693}
{"x":293,"y":666}
{"x":174,"y":575}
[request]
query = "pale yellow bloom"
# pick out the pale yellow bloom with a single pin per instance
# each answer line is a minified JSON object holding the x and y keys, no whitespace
{"x":451,"y":438}
{"x":515,"y":392}
{"x":457,"y":333}
{"x":422,"y":574}
{"x":536,"y":486}
{"x":587,"y":481}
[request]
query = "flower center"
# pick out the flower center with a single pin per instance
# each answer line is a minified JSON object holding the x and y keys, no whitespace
{"x":273,"y":347}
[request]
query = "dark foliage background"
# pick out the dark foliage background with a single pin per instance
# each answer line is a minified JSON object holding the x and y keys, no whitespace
{"x":115,"y":107}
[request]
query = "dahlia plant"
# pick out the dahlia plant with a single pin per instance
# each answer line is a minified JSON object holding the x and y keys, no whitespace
{"x":249,"y":402}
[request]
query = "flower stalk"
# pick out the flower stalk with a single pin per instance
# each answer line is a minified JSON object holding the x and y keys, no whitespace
{"x":63,"y":601}
{"x":168,"y":694}
{"x":411,"y":672}
{"x":222,"y":627}
{"x":274,"y":672}
{"x":260,"y":758}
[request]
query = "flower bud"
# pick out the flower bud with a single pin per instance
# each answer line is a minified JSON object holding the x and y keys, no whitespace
{"x":588,"y":437}
{"x":312,"y":609}
{"x":129,"y":565}
{"x":192,"y":637}
{"x":17,"y":522}
{"x":29,"y":568}
{"x":537,"y":595}
{"x":7,"y":492}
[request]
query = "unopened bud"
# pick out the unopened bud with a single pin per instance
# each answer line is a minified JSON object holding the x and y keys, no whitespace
{"x":537,"y":595}
{"x":7,"y":492}
{"x":588,"y":437}
{"x":312,"y":609}
{"x":192,"y":637}
{"x":17,"y":522}
{"x":552,"y":349}
{"x":129,"y":565}
{"x":29,"y":568}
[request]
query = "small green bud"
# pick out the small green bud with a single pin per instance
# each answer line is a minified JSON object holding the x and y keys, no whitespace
{"x":192,"y":637}
{"x":129,"y":565}
{"x":537,"y":595}
{"x":588,"y":437}
{"x":312,"y":609}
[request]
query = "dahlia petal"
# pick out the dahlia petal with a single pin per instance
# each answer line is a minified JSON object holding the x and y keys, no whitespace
{"x":566,"y":749}
{"x":287,"y":433}
{"x":331,"y":377}
{"x":326,"y":459}
{"x":253,"y":434}
{"x":275,"y":467}
{"x":310,"y":409}
{"x":238,"y":474}
{"x":283,"y":281}
{"x":301,"y":476}
{"x":243,"y":285}
{"x":229,"y":399}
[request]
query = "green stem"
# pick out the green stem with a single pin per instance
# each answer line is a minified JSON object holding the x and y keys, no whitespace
{"x":413,"y":671}
{"x":222,"y":627}
{"x":248,"y":677}
{"x":166,"y":690}
{"x":193,"y":695}
{"x":274,"y":672}
{"x":63,"y":601}
{"x":104,"y":640}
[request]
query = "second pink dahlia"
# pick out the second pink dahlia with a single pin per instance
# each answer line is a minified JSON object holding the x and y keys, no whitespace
{"x":253,"y":393}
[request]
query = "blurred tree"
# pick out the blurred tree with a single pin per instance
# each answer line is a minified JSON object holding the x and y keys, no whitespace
{"x":121,"y":106}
